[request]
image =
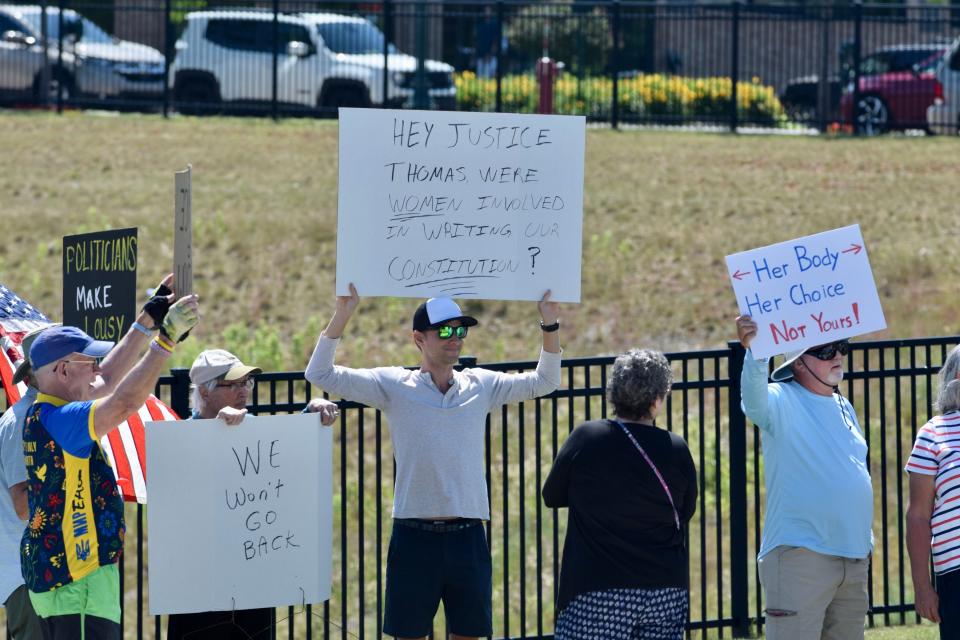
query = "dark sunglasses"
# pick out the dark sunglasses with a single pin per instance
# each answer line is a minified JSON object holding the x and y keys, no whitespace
{"x":446,"y":332}
{"x":829,"y":351}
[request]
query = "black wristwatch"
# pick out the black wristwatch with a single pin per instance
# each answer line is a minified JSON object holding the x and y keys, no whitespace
{"x":550,"y":328}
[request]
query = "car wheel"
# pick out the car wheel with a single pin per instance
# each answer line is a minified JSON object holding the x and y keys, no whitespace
{"x":196,"y":96}
{"x":345,"y":97}
{"x":873,"y":117}
{"x":60,"y":84}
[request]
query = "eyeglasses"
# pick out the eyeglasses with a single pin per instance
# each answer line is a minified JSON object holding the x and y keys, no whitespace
{"x":91,"y":363}
{"x":237,"y":385}
{"x":829,"y":351}
{"x":446,"y":332}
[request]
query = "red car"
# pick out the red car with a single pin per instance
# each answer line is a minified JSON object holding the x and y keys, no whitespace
{"x":892,"y":95}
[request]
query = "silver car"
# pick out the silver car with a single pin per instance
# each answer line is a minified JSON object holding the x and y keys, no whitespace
{"x":943,"y":116}
{"x":93,"y":63}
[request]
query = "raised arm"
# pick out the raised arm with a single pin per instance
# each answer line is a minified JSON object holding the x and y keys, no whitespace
{"x":360,"y":385}
{"x":139,"y":382}
{"x":123,"y":356}
{"x":754,"y":394}
{"x":550,"y":316}
{"x":346,"y":305}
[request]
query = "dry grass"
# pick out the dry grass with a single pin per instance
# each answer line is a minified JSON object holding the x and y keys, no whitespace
{"x":661,"y":209}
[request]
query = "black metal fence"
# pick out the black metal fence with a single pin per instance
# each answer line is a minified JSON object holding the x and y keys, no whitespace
{"x":867,"y":67}
{"x":890,"y":383}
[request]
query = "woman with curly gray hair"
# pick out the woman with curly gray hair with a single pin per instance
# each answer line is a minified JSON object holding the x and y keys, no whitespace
{"x":934,"y":470}
{"x":631,"y":489}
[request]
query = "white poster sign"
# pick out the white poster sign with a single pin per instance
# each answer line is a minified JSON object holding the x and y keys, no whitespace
{"x":807,"y":291}
{"x":470,"y":205}
{"x":239,"y":517}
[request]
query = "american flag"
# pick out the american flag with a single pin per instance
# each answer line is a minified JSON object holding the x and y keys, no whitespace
{"x":125,"y":446}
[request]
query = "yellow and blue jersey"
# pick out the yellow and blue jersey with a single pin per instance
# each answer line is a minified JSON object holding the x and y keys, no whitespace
{"x":76,"y":512}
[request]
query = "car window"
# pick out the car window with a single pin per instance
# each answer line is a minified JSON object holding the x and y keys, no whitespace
{"x":235,"y":34}
{"x":254,"y":35}
{"x":9,"y":24}
{"x":91,"y":32}
{"x":351,"y":37}
{"x":904,"y":60}
{"x":874,"y":64}
{"x":293,"y":33}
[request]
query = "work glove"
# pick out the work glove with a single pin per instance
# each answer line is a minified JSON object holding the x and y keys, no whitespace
{"x":158,"y":305}
{"x":179,"y":320}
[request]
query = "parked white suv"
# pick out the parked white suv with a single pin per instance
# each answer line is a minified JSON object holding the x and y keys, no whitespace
{"x":323,"y":60}
{"x":94,"y":63}
{"x":943,"y":116}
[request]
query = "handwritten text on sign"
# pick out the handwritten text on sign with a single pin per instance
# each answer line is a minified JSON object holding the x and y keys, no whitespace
{"x":473,"y":205}
{"x":242,"y":517}
{"x":808,"y":291}
{"x":100,"y":282}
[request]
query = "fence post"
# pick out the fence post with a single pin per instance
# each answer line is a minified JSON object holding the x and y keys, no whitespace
{"x":387,"y":35}
{"x":857,"y":50}
{"x":734,"y":64}
{"x":60,"y":72}
{"x":499,"y":49}
{"x":180,"y":392}
{"x":167,"y":55}
{"x":739,"y":589}
{"x":615,"y":63}
{"x":45,"y":70}
{"x":274,"y":107}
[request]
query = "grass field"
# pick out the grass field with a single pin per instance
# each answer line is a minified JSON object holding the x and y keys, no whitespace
{"x":661,"y":210}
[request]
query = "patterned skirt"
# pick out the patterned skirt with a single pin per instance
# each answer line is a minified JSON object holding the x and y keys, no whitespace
{"x":625,"y":614}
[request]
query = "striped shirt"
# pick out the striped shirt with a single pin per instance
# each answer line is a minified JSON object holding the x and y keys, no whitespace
{"x":937,"y":453}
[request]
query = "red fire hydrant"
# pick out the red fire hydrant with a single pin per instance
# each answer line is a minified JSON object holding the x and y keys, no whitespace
{"x":546,"y":75}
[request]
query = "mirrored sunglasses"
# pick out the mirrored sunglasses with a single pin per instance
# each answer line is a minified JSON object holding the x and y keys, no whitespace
{"x":446,"y":332}
{"x":829,"y":351}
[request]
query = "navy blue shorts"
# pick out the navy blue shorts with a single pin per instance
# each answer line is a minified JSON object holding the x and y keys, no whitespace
{"x":433,"y":561}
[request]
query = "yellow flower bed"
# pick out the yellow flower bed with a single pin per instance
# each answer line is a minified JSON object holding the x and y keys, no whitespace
{"x":657,"y":97}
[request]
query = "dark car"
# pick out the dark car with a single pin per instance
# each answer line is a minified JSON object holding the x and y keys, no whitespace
{"x":800,"y":97}
{"x":892,"y":97}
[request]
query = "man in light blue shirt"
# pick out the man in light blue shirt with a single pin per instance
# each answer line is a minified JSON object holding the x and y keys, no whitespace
{"x":817,"y":534}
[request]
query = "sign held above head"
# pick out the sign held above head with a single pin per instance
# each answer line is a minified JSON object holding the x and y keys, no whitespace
{"x":100,"y":282}
{"x":466,"y":205}
{"x":807,"y":292}
{"x":183,"y":232}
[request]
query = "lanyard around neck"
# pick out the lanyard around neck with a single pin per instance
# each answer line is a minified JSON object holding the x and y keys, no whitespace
{"x":656,"y":472}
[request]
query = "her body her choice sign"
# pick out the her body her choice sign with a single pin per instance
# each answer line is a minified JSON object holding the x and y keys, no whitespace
{"x":472,"y":205}
{"x":240,"y":517}
{"x":807,"y":291}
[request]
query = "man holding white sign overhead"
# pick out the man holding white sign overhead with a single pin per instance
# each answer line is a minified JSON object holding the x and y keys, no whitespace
{"x":817,"y":535}
{"x":437,"y":419}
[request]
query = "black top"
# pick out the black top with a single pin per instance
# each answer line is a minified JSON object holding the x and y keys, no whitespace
{"x":621,"y":532}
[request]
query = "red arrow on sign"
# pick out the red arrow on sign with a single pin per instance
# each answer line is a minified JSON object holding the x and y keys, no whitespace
{"x":854,"y":247}
{"x":739,"y":274}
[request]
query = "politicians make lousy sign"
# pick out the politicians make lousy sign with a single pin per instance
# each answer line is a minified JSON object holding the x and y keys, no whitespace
{"x":241,"y":517}
{"x":807,"y":291}
{"x":472,"y":205}
{"x":100,"y":282}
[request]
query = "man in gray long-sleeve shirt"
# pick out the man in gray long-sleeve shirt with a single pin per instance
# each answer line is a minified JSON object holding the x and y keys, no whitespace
{"x":437,"y":420}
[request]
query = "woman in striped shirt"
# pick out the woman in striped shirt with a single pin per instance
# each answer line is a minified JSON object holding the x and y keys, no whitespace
{"x":933,"y":517}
